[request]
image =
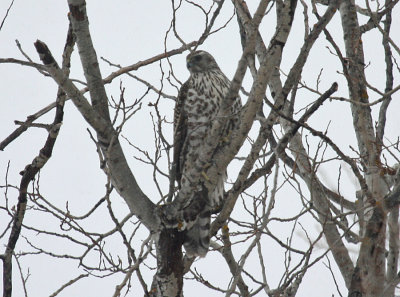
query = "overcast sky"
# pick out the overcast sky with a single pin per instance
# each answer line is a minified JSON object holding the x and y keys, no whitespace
{"x":126,"y":32}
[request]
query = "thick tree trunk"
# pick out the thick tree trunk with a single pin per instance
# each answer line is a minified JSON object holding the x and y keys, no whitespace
{"x":168,"y":281}
{"x":369,"y":274}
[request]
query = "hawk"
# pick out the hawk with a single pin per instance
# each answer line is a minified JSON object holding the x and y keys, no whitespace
{"x":197,"y":106}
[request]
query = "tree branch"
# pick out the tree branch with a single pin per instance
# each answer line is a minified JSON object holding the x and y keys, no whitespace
{"x":121,"y":175}
{"x":28,"y":174}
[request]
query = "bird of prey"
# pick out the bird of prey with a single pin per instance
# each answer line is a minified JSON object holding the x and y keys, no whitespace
{"x":197,"y":106}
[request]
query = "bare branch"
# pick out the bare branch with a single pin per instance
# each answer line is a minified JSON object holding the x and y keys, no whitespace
{"x":123,"y":179}
{"x":6,"y":15}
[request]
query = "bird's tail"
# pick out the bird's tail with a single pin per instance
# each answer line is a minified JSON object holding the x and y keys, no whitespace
{"x":197,"y":238}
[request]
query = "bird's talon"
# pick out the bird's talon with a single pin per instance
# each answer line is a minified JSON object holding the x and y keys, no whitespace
{"x":205,"y":176}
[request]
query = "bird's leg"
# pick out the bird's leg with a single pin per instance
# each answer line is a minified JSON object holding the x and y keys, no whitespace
{"x":225,"y":139}
{"x":203,"y":172}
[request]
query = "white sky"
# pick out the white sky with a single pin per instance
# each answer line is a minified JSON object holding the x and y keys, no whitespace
{"x":126,"y":32}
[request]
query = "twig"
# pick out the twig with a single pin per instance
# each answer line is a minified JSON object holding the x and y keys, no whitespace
{"x":5,"y":17}
{"x":69,"y":283}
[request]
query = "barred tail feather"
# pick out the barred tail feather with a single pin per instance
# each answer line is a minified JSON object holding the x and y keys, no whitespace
{"x":217,"y":195}
{"x":197,"y":238}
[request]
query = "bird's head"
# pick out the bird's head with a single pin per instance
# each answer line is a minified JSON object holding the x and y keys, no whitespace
{"x":200,"y":61}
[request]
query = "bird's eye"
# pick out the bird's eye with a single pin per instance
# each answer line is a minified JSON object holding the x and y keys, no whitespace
{"x":197,"y":58}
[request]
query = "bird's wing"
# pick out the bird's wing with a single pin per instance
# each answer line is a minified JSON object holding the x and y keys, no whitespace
{"x":180,"y":132}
